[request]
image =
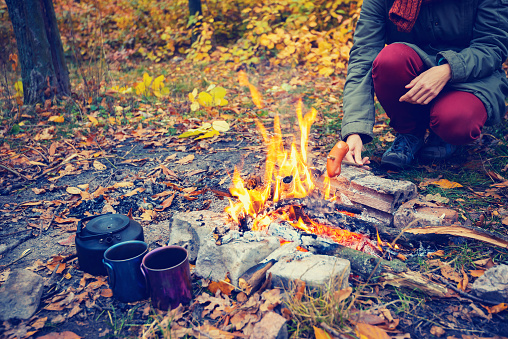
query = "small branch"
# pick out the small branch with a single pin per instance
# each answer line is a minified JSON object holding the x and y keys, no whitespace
{"x":462,"y":293}
{"x":15,"y":172}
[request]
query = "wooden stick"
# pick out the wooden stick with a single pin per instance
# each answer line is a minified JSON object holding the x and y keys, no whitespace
{"x":462,"y":231}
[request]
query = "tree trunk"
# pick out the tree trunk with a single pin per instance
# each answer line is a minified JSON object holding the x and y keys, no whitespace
{"x":195,"y":7}
{"x":43,"y":69}
{"x":195,"y":10}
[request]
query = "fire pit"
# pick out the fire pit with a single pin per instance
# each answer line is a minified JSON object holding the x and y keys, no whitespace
{"x":293,"y":214}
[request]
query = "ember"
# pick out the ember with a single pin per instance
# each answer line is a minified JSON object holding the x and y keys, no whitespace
{"x":288,"y":176}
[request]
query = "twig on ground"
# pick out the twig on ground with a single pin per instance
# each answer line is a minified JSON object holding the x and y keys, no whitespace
{"x":332,"y":331}
{"x":15,"y":172}
{"x":462,"y":293}
{"x":6,"y":248}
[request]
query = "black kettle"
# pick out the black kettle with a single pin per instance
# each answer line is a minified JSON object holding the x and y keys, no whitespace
{"x":101,"y":232}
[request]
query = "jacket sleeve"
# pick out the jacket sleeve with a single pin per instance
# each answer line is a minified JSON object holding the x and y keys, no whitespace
{"x":488,"y":48}
{"x":369,"y":39}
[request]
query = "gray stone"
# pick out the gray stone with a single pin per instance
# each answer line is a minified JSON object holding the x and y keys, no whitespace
{"x":425,"y":213}
{"x":271,"y":326}
{"x":235,"y":258}
{"x":20,"y":295}
{"x":188,"y":228}
{"x":493,"y":284}
{"x":316,"y":271}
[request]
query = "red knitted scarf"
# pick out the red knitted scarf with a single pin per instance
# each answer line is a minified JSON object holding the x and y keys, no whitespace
{"x":404,"y":13}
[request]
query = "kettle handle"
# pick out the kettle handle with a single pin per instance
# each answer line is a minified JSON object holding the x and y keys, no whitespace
{"x":111,"y":274}
{"x":80,"y":223}
{"x":146,"y":279}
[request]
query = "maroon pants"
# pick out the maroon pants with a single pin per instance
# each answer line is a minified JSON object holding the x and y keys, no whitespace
{"x":457,"y":117}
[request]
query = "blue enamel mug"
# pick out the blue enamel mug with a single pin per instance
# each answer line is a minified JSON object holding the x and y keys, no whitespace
{"x":123,"y":264}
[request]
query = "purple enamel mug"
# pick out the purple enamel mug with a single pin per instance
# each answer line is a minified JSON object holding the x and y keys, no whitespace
{"x":167,"y":273}
{"x":123,"y":264}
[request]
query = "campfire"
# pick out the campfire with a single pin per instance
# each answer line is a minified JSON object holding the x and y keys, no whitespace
{"x":288,"y":197}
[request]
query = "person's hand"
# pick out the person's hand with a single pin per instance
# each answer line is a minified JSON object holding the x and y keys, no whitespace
{"x":354,"y":155}
{"x":427,"y":85}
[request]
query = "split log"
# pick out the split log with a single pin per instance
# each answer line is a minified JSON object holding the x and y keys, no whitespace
{"x":414,"y":280}
{"x":254,"y":277}
{"x":462,"y":231}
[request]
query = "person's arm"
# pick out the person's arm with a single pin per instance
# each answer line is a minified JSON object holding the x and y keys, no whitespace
{"x":359,"y":111}
{"x":488,"y":48}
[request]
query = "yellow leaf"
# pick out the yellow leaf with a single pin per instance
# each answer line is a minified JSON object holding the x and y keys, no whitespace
{"x":443,"y":183}
{"x":147,"y":80}
{"x":73,"y":190}
{"x":112,"y":120}
{"x":209,"y":134}
{"x":191,"y":133}
{"x":158,"y":83}
{"x":193,"y":94}
{"x":497,"y":308}
{"x":56,"y":118}
{"x":205,"y":99}
{"x":93,"y":120}
{"x":194,"y":106}
{"x":221,"y":126}
{"x":18,"y":86}
{"x":98,"y":165}
{"x":326,"y":71}
{"x":370,"y":332}
{"x":321,"y":334}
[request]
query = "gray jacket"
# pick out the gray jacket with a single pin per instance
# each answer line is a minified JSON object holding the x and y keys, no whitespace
{"x":472,"y":35}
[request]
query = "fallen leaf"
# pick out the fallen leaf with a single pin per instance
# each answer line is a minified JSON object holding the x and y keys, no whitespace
{"x":148,"y":215}
{"x":84,"y":186}
{"x":464,"y":282}
{"x":444,"y":183}
{"x":437,"y":331}
{"x":497,"y":308}
{"x":98,"y":165}
{"x":56,"y":118}
{"x":133,"y":192}
{"x":39,"y":323}
{"x":73,"y":190}
{"x":449,"y":273}
{"x":189,"y":189}
{"x":370,"y":332}
{"x":272,"y":298}
{"x":438,"y":253}
{"x":225,"y":288}
{"x":38,"y":190}
{"x":69,"y":241}
{"x":123,"y":184}
{"x":321,"y":334}
{"x":186,"y":160}
{"x":343,"y":294}
{"x":505,"y":221}
{"x":52,"y":149}
{"x":166,"y":203}
{"x":221,"y":126}
{"x":62,"y":335}
{"x":108,"y":293}
{"x":476,"y":273}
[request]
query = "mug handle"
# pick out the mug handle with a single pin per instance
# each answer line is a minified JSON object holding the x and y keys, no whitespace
{"x":111,"y":274}
{"x":146,"y":279}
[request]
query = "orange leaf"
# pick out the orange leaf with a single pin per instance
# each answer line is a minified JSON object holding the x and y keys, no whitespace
{"x":476,"y":273}
{"x":497,"y":308}
{"x":366,"y":331}
{"x":321,"y":334}
{"x":443,"y":183}
{"x":108,"y":293}
{"x":221,"y":285}
{"x":63,"y":335}
{"x":166,"y":203}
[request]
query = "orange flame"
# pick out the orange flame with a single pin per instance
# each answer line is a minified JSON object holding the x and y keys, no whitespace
{"x":286,"y":176}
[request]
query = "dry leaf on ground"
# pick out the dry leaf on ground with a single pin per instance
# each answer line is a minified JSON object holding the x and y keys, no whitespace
{"x":62,"y":335}
{"x":437,"y":331}
{"x":371,"y":332}
{"x":186,"y":160}
{"x":98,"y":165}
{"x":321,"y":334}
{"x":443,"y":183}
